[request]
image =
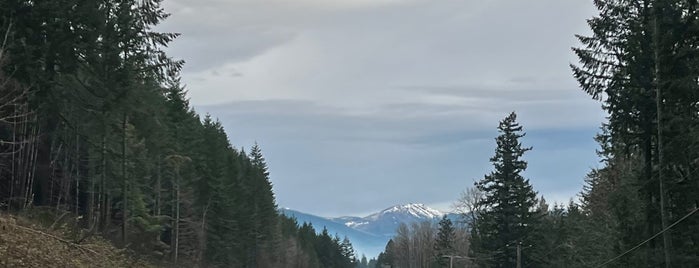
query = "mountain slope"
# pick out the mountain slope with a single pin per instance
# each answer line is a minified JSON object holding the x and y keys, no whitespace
{"x":386,"y":221}
{"x":370,"y":234}
{"x":363,"y":242}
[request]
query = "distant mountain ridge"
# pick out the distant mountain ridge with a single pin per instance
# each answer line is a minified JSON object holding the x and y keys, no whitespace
{"x":386,"y":221}
{"x":370,"y":234}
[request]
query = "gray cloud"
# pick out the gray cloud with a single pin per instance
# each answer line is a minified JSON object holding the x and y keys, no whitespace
{"x":403,"y":124}
{"x":517,"y":92}
{"x":383,"y":158}
{"x":375,"y":102}
{"x":233,"y":45}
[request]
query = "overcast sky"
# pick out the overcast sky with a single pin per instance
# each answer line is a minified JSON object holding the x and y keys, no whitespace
{"x":359,"y":105}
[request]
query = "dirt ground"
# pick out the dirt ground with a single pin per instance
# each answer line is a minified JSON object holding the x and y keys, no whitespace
{"x":23,"y":244}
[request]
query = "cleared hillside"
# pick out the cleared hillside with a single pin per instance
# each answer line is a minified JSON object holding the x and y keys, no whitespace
{"x":23,"y":243}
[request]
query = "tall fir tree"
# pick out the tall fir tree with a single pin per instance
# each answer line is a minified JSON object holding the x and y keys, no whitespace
{"x":508,"y":216}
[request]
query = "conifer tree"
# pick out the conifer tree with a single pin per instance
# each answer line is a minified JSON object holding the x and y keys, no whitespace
{"x":263,"y":197}
{"x":640,"y":62}
{"x":387,"y":256}
{"x":94,"y":121}
{"x":444,"y":245}
{"x":508,"y":199}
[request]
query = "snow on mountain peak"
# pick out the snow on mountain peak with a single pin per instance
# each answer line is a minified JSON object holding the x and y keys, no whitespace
{"x":414,"y":209}
{"x":371,"y":233}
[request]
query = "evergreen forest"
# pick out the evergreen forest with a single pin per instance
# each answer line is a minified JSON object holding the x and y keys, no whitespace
{"x":96,"y":131}
{"x":97,"y":135}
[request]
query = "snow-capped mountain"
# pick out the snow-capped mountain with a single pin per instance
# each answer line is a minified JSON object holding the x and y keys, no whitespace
{"x":386,"y":221}
{"x":370,"y":234}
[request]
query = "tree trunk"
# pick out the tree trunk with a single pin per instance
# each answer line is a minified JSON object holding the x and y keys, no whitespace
{"x":125,"y":198}
{"x":103,"y":184}
{"x":659,"y":105}
{"x":32,"y":163}
{"x":177,"y":214}
{"x":77,"y":171}
{"x":157,"y":187}
{"x":13,"y":175}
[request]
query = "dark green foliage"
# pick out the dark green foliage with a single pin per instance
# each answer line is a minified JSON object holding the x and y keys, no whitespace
{"x":508,"y":200}
{"x":104,"y":130}
{"x":444,"y":243}
{"x":640,"y":62}
{"x":312,"y":249}
{"x":387,"y":257}
{"x":332,"y":252}
{"x":549,"y":245}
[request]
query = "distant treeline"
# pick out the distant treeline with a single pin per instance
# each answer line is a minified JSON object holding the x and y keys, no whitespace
{"x":96,"y":126}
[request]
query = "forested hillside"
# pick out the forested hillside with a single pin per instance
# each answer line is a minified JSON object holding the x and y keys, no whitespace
{"x":96,"y":127}
{"x":98,"y":141}
{"x":641,"y":62}
{"x":639,"y":209}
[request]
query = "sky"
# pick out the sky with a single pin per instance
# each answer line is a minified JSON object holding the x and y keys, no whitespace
{"x":359,"y":105}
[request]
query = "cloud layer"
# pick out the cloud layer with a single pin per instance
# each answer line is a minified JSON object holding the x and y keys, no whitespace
{"x":362,"y":104}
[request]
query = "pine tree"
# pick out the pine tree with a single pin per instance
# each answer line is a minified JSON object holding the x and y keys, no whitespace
{"x":387,"y":257}
{"x":444,"y":245}
{"x":349,"y":258}
{"x":263,"y":197}
{"x":508,"y":199}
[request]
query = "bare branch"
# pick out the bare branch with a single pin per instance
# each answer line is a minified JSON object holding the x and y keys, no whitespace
{"x":469,"y":204}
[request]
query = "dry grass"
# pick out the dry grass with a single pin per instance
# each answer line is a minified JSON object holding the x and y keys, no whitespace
{"x":23,"y":244}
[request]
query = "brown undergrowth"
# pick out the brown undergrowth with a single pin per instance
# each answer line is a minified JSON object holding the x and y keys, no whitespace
{"x":24,"y":243}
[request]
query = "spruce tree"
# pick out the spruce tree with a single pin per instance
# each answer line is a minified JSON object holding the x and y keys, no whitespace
{"x":387,"y":257}
{"x":508,"y":199}
{"x":444,"y":245}
{"x":263,"y":197}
